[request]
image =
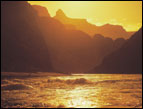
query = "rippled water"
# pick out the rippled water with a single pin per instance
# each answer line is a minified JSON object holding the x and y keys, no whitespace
{"x":77,"y":91}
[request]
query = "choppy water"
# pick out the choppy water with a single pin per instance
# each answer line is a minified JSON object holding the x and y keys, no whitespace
{"x":77,"y":91}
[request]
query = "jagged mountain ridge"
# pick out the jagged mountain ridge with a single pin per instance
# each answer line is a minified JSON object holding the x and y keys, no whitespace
{"x":107,"y":30}
{"x":73,"y":50}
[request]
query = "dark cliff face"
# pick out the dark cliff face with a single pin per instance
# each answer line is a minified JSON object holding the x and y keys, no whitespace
{"x":128,"y":59}
{"x":73,"y":50}
{"x":29,"y":41}
{"x":42,"y":11}
{"x":22,"y":45}
{"x":70,"y":49}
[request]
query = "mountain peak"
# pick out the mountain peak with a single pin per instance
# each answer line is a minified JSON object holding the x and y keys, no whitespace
{"x":60,"y":12}
{"x":42,"y":11}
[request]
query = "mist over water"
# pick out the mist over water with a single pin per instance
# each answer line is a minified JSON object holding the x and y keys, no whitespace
{"x":77,"y":91}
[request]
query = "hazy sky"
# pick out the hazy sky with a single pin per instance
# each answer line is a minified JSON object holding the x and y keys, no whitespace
{"x":125,"y":13}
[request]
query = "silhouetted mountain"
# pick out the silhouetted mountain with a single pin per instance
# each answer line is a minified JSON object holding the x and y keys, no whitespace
{"x":104,"y":46}
{"x":42,"y":11}
{"x":131,"y":33}
{"x":127,"y":59}
{"x":108,"y":30}
{"x":118,"y":43}
{"x":22,"y":45}
{"x":112,"y":31}
{"x":80,"y":24}
{"x":31,"y":38}
{"x":70,"y":49}
{"x":73,"y":50}
{"x":60,"y":14}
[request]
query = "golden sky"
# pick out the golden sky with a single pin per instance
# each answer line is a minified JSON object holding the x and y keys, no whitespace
{"x":125,"y":13}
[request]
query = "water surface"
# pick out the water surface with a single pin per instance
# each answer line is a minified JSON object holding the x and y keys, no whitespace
{"x":74,"y":91}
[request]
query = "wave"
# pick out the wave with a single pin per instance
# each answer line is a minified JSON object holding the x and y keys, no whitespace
{"x":4,"y":82}
{"x":83,"y":81}
{"x":16,"y":87}
{"x":115,"y":81}
{"x":70,"y":81}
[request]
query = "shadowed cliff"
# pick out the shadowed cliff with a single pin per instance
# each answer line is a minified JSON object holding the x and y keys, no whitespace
{"x":127,"y":59}
{"x":70,"y":49}
{"x":104,"y":46}
{"x":22,"y":45}
{"x":42,"y":11}
{"x":32,"y":41}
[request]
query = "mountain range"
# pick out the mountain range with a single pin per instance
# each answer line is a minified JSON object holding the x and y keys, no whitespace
{"x":107,"y":30}
{"x":80,"y":51}
{"x":32,"y":40}
{"x":127,"y":59}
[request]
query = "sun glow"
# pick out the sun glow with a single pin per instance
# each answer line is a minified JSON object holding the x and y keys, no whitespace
{"x":80,"y":103}
{"x":79,"y":99}
{"x":76,"y":4}
{"x":125,"y":13}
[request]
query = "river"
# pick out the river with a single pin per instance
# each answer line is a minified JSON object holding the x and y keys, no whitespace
{"x":73,"y":91}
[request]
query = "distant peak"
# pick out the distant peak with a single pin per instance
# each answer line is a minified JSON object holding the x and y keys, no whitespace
{"x":107,"y":24}
{"x":112,"y":25}
{"x":60,"y":12}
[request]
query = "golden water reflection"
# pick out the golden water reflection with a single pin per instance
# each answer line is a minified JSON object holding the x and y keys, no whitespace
{"x":79,"y":100}
{"x":77,"y":91}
